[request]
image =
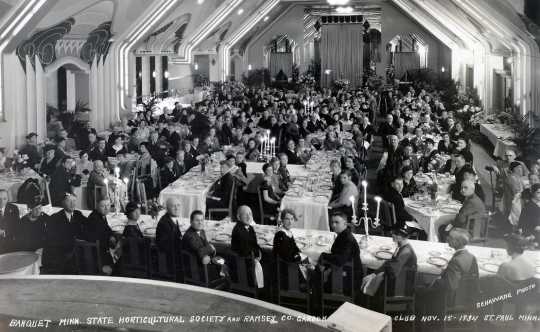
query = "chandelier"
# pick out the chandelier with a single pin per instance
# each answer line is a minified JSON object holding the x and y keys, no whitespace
{"x":337,"y":2}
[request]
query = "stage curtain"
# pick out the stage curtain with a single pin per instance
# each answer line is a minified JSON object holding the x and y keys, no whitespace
{"x":341,"y":50}
{"x":404,"y":61}
{"x":281,"y":61}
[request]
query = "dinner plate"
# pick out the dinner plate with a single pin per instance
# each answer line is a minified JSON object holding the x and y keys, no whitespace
{"x":150,"y":231}
{"x":490,"y":267}
{"x":416,"y":205}
{"x":118,"y":228}
{"x":437,"y":261}
{"x":222,"y":237}
{"x":435,"y":253}
{"x":301,"y":245}
{"x":385,"y":248}
{"x":383,"y":254}
{"x":322,"y":241}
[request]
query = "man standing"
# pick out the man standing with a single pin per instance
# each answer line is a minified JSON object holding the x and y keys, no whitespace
{"x":62,"y":229}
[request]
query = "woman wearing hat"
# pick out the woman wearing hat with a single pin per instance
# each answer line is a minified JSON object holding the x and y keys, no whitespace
{"x":133,"y":213}
{"x":29,"y":232}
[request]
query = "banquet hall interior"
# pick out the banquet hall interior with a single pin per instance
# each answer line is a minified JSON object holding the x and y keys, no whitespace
{"x":357,"y":165}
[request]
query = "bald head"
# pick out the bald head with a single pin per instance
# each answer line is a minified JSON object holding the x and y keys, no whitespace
{"x":244,"y":214}
{"x":173,"y":207}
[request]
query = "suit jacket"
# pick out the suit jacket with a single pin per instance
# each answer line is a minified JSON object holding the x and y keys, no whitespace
{"x":463,"y":264}
{"x":168,"y":234}
{"x":473,"y":207}
{"x":285,"y":247}
{"x":395,"y":198}
{"x":96,"y":154}
{"x":345,"y":249}
{"x":197,"y":243}
{"x":168,"y":176}
{"x":96,"y":228}
{"x":60,"y":184}
{"x":244,"y":241}
{"x":60,"y":237}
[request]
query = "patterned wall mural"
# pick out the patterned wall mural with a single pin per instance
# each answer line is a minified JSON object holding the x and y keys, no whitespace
{"x":97,"y":43}
{"x":43,"y":43}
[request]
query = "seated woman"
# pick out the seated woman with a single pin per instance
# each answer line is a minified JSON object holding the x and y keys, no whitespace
{"x":291,"y":153}
{"x":331,"y":142}
{"x":132,"y":229}
{"x":252,"y":151}
{"x":284,"y":244}
{"x":409,"y":185}
{"x":529,"y":220}
{"x":29,"y":233}
{"x":84,"y":165}
{"x":519,"y":268}
{"x":270,"y":199}
{"x":348,"y":164}
{"x":116,"y":148}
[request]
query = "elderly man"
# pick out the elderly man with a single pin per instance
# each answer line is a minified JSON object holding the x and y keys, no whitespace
{"x":62,"y":229}
{"x":244,"y":239}
{"x":96,"y":228}
{"x":63,"y":181}
{"x":473,"y":209}
{"x":168,"y":234}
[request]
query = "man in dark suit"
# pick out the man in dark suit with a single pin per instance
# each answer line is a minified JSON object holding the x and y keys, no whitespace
{"x":387,"y":128}
{"x":403,"y":258}
{"x":344,"y":250}
{"x":460,"y":273}
{"x":168,"y":234}
{"x":243,"y":238}
{"x":221,"y":193}
{"x":9,"y":218}
{"x":393,"y":195}
{"x":168,"y":172}
{"x":62,"y":181}
{"x":96,"y":228}
{"x":63,"y":228}
{"x":30,"y":149}
{"x":99,"y":152}
{"x":472,"y":208}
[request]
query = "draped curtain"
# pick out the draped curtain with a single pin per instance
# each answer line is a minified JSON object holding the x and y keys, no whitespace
{"x":404,"y":61}
{"x":281,"y":61}
{"x":341,"y":50}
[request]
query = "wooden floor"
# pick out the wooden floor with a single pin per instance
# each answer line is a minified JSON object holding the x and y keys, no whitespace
{"x":55,"y":299}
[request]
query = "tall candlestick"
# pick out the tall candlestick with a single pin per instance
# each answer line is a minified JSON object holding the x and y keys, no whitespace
{"x":364,"y":184}
{"x":126,"y":181}
{"x":117,"y":172}
{"x":106,"y":181}
{"x":353,"y":206}
{"x":378,"y":200}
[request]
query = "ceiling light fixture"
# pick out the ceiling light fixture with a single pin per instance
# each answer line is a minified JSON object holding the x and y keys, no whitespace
{"x":240,"y":11}
{"x":200,"y":2}
{"x":337,"y":2}
{"x":344,"y":10}
{"x":266,"y":18}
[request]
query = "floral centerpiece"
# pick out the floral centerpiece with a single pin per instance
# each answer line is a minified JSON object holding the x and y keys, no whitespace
{"x":154,"y":208}
{"x":341,"y":83}
{"x":306,"y":79}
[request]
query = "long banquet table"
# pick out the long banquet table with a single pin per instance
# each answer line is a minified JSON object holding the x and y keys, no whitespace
{"x":314,"y":242}
{"x":500,"y":136}
{"x":308,"y":196}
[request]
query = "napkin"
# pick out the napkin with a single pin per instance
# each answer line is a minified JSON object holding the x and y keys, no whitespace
{"x":259,"y":274}
{"x":413,"y":224}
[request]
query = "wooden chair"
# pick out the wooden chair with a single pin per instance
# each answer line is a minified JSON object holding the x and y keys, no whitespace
{"x":290,"y":293}
{"x":462,"y":301}
{"x":334,"y":291}
{"x":242,"y":274}
{"x":164,"y":265}
{"x":230,"y":204}
{"x":87,"y":258}
{"x":264,"y":216}
{"x":399,"y":293}
{"x":135,"y":259}
{"x":478,"y":227}
{"x":196,"y":273}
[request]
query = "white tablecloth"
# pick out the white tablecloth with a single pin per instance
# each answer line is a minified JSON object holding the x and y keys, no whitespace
{"x":431,"y":218}
{"x":20,"y":263}
{"x":499,"y":135}
{"x":12,"y":183}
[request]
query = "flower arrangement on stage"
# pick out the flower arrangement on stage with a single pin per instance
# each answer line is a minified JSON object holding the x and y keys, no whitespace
{"x":341,"y":83}
{"x":154,"y":208}
{"x":20,"y":161}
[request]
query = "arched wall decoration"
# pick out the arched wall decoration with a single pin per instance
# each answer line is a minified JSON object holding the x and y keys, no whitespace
{"x":219,"y":34}
{"x":169,"y":37}
{"x":97,"y":43}
{"x":43,"y":44}
{"x":76,"y":61}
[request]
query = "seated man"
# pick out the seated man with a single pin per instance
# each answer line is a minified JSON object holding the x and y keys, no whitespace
{"x":460,"y":273}
{"x":243,"y":238}
{"x":393,"y":195}
{"x":473,"y":208}
{"x":221,"y":193}
{"x":347,"y":190}
{"x":195,"y":241}
{"x":168,"y":234}
{"x":344,"y":249}
{"x":63,"y":228}
{"x":168,"y":174}
{"x":96,"y":228}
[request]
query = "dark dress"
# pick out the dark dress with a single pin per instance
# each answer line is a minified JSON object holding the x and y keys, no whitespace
{"x":530,"y":218}
{"x":133,"y":231}
{"x":285,"y":247}
{"x":28,"y":234}
{"x":268,"y":207}
{"x":409,"y":189}
{"x":96,"y":228}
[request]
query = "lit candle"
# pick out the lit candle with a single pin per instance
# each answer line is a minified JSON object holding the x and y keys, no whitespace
{"x":378,"y":200}
{"x":126,"y":181}
{"x":262,"y":146}
{"x":273,"y":146}
{"x":117,"y":172}
{"x":364,"y":184}
{"x":353,"y":206}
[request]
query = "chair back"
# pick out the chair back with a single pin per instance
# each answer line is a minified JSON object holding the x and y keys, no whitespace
{"x":135,"y":260}
{"x":194,"y":272}
{"x":242,"y":273}
{"x":341,"y":281}
{"x":100,"y":192}
{"x":392,"y":213}
{"x":164,"y":264}
{"x":466,"y":295}
{"x":478,"y":226}
{"x":87,"y":258}
{"x":289,"y":277}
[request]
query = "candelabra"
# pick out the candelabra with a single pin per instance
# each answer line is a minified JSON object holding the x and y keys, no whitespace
{"x":268,"y":147}
{"x":366,"y":220}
